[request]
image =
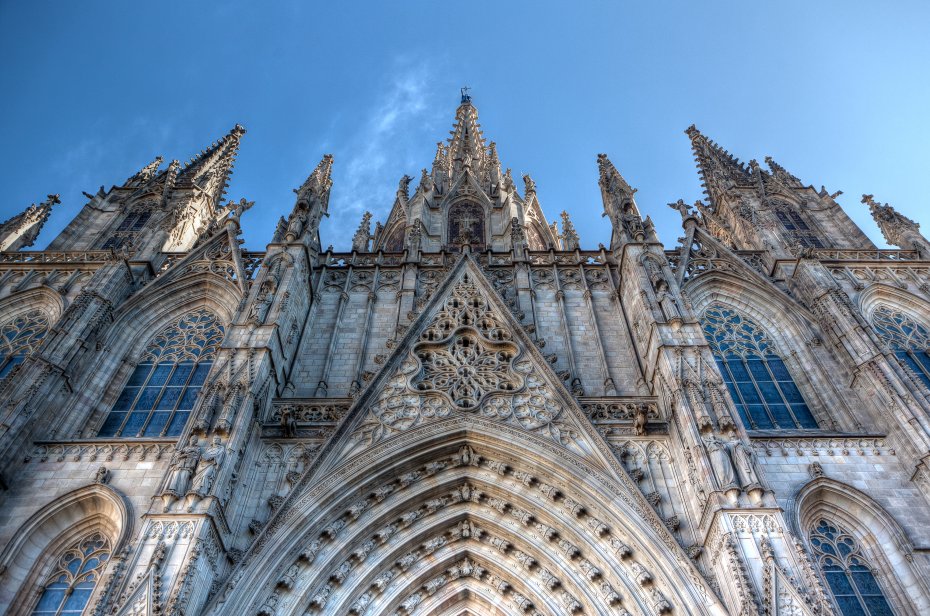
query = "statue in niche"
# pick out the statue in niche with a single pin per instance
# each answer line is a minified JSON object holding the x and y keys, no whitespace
{"x":210,"y":462}
{"x":466,"y":224}
{"x":722,"y":463}
{"x":180,"y":471}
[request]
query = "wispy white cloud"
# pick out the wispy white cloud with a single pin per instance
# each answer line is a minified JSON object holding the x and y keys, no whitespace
{"x":391,"y":140}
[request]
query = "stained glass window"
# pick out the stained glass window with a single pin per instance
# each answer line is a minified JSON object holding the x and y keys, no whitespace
{"x":848,"y":575}
{"x":68,"y":589}
{"x":20,"y":336}
{"x":797,"y":228}
{"x":909,"y":340}
{"x":759,"y":382}
{"x":161,"y":391}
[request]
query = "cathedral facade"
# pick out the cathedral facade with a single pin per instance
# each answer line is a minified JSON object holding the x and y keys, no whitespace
{"x":469,"y":413}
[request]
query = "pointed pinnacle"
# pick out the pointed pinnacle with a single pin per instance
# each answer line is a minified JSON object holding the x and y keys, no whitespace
{"x":319,"y":180}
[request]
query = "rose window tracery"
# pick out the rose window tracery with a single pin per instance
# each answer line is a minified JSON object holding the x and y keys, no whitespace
{"x":466,"y":368}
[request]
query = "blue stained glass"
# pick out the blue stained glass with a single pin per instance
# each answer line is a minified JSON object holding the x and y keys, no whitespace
{"x":177,"y":423}
{"x":877,"y":606}
{"x":782,"y":417}
{"x":156,"y":424}
{"x":169,"y":398}
{"x":200,"y":374}
{"x":52,"y":597}
{"x":139,"y":375}
{"x":804,"y":415}
{"x":111,"y":424}
{"x":791,"y":392}
{"x":738,"y":370}
{"x":769,"y":391}
{"x":124,"y":402}
{"x":160,"y":374}
{"x":147,"y":399}
{"x":866,"y":583}
{"x":180,"y":375}
{"x":924,"y":359}
{"x":173,"y":369}
{"x":758,"y":371}
{"x":750,"y":368}
{"x":748,"y":390}
{"x":760,"y":417}
{"x":77,"y":601}
{"x":190,"y":396}
{"x":839,"y":583}
{"x":850,"y":606}
{"x":848,"y":577}
{"x":778,"y":368}
{"x":134,"y":424}
{"x":70,"y":586}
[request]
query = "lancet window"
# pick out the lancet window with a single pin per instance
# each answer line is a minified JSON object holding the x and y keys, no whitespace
{"x":161,"y":391}
{"x":20,"y":336}
{"x":71,"y":584}
{"x":848,"y":575}
{"x":797,"y":229}
{"x":759,"y":382}
{"x":126,"y":232}
{"x":909,"y":340}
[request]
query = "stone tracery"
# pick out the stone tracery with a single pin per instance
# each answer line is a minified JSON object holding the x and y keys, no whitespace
{"x":466,"y":360}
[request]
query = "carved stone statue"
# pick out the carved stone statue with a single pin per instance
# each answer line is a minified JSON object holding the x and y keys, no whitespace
{"x":745,"y":469}
{"x":210,"y":462}
{"x":182,"y":468}
{"x":720,"y":460}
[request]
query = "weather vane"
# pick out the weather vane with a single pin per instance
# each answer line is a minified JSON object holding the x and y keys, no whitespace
{"x":466,"y":97}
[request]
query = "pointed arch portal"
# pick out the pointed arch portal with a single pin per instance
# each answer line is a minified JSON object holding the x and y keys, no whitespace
{"x":449,"y":491}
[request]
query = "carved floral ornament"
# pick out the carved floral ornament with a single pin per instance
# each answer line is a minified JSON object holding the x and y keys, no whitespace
{"x":466,"y":361}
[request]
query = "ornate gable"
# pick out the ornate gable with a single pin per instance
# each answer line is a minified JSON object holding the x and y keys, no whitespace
{"x":466,"y":356}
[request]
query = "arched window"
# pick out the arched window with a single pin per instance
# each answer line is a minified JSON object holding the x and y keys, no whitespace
{"x":18,"y":337}
{"x":759,"y":382}
{"x":161,"y":392}
{"x":909,"y":340}
{"x":70,"y":585}
{"x":796,"y":228}
{"x":848,"y":575}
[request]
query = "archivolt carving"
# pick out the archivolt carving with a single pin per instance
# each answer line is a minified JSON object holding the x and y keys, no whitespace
{"x":322,"y":575}
{"x":466,"y":361}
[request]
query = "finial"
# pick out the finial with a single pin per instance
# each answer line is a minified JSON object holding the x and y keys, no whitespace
{"x":363,"y":234}
{"x":466,"y":97}
{"x":569,"y":235}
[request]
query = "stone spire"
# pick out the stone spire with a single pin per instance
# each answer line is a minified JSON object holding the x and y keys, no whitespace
{"x":318,"y":183}
{"x":312,"y":204}
{"x":22,"y":230}
{"x":210,"y":170}
{"x":898,"y":229}
{"x":363,"y":234}
{"x":569,"y":235}
{"x":467,"y":146}
{"x":145,"y":174}
{"x":619,"y":204}
{"x":719,"y":170}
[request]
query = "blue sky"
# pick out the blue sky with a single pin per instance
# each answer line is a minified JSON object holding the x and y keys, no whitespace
{"x":837,"y":92}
